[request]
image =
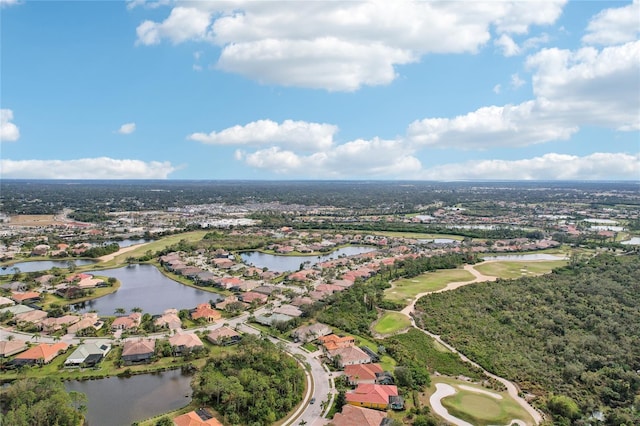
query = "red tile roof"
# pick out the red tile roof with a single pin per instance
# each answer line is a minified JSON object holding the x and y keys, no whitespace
{"x":44,"y":351}
{"x":357,"y":416}
{"x":373,"y":394}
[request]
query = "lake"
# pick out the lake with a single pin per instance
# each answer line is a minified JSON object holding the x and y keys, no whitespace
{"x":44,"y":265}
{"x":279,"y":263}
{"x":524,"y":257}
{"x":116,"y":401}
{"x":145,"y":287}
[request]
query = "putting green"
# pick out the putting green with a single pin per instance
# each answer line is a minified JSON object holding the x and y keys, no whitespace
{"x":481,"y":406}
{"x":391,"y":322}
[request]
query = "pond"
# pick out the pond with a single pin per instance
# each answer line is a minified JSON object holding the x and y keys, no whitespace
{"x":439,"y":241}
{"x":128,"y":243}
{"x":525,"y":257}
{"x":44,"y":265}
{"x":633,"y":241}
{"x":145,"y":287}
{"x":116,"y":401}
{"x":279,"y":263}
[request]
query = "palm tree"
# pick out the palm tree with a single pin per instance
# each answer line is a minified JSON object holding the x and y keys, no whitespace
{"x":119,"y":311}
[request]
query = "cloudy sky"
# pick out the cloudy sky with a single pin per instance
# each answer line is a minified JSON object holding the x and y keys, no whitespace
{"x":320,"y":90}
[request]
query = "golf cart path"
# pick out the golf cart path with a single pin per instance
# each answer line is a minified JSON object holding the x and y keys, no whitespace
{"x":512,"y":389}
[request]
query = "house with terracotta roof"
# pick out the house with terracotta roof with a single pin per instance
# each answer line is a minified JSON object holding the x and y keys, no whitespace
{"x":89,"y":319}
{"x":362,"y":373}
{"x":25,"y":297}
{"x":12,"y":347}
{"x":138,"y":351}
{"x":332,"y":342}
{"x":169,"y":319}
{"x":185,"y":342}
{"x":224,"y":336}
{"x":251,"y":296}
{"x":51,"y":325}
{"x":196,"y":418}
{"x":127,"y":323}
{"x":44,"y":353}
{"x":372,"y":396}
{"x":205,"y":312}
{"x":358,"y":416}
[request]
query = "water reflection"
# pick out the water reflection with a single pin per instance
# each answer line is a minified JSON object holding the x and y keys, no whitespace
{"x":116,"y":401}
{"x":145,"y":287}
{"x":292,"y":263}
{"x":43,"y":265}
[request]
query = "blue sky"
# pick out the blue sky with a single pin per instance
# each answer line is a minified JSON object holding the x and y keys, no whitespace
{"x":320,"y":90}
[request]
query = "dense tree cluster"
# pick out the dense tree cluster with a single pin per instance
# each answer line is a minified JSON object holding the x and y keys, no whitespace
{"x":574,"y":333}
{"x":41,"y":402}
{"x":102,"y":250}
{"x":94,"y":198}
{"x":257,"y":385}
{"x":416,"y":352}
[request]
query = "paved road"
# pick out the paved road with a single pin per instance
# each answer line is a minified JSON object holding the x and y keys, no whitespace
{"x":319,"y":380}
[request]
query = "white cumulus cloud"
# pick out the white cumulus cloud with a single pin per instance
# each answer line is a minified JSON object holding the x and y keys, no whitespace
{"x":590,"y":86}
{"x":509,"y":125}
{"x":9,"y":132}
{"x":85,"y":168}
{"x":586,"y":87}
{"x":184,"y":23}
{"x":359,"y":158}
{"x":552,"y":166}
{"x":614,"y":26}
{"x":506,"y":44}
{"x":300,"y":135}
{"x":127,"y":128}
{"x":340,"y":46}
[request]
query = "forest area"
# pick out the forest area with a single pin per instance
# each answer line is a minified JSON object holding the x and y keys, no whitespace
{"x":571,"y":337}
{"x":256,"y":385}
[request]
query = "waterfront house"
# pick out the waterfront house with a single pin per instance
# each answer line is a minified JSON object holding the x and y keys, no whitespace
{"x":205,"y":312}
{"x":87,"y":355}
{"x":127,"y":323}
{"x":138,"y":351}
{"x":185,"y":342}
{"x":12,"y":347}
{"x":196,"y":418}
{"x":44,"y":353}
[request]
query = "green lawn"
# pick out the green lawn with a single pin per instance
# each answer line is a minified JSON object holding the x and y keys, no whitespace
{"x":407,"y":289}
{"x":508,"y":269}
{"x":391,"y":322}
{"x":416,"y":235}
{"x":155,"y":246}
{"x":478,"y":408}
